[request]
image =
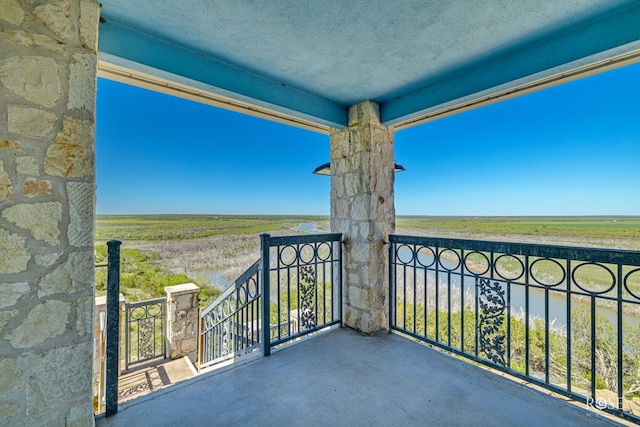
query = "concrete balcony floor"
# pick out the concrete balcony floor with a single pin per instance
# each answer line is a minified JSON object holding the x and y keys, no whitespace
{"x":343,"y":378}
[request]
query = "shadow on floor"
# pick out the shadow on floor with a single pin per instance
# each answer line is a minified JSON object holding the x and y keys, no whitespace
{"x":147,"y":380}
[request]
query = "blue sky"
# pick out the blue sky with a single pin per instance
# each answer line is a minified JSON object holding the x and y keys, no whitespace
{"x":573,"y":149}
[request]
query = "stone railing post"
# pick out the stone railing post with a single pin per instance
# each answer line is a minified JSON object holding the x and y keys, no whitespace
{"x":182,"y":321}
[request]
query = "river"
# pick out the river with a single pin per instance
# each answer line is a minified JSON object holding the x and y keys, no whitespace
{"x":216,"y":278}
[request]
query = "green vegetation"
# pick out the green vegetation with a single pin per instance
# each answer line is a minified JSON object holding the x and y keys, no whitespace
{"x":159,"y":249}
{"x":141,"y":277}
{"x":145,"y":272}
{"x":619,"y":232}
{"x":177,"y":227}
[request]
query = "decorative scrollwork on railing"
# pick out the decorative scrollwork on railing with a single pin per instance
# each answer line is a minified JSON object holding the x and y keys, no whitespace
{"x":492,"y":314}
{"x":145,"y":334}
{"x":307,"y":297}
{"x":511,"y":300}
{"x":225,"y":339}
{"x":146,"y":338}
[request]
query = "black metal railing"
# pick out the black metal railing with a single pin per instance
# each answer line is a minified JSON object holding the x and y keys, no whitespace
{"x":303,"y":284}
{"x":297,"y":282}
{"x":145,"y":331}
{"x":112,"y":357}
{"x":230,"y":326}
{"x":560,"y":317}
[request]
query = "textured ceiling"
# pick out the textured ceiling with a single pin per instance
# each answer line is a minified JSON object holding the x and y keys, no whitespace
{"x":313,"y":59}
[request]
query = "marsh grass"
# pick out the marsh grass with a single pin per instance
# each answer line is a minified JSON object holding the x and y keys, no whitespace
{"x":180,"y":227}
{"x":164,"y":250}
{"x":141,"y":274}
{"x":606,"y":232}
{"x":184,"y":248}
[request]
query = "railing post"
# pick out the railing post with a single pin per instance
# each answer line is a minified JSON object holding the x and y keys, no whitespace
{"x":340,"y":276}
{"x":127,"y":337}
{"x":392,"y":283}
{"x":200,"y":341}
{"x":181,"y":321}
{"x":266,"y":309}
{"x":113,"y":327}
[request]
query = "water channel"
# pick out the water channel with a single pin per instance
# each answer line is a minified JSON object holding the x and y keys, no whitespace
{"x":217,"y":278}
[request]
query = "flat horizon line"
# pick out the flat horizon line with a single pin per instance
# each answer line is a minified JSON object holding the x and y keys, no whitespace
{"x":397,"y":216}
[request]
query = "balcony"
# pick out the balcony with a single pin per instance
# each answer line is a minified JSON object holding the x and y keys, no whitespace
{"x":561,"y":319}
{"x":345,"y":378}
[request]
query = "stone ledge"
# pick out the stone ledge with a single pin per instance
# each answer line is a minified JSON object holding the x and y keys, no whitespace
{"x":185,"y":288}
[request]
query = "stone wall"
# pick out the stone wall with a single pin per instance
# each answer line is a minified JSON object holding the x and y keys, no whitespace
{"x":48,"y":54}
{"x":362,"y":209}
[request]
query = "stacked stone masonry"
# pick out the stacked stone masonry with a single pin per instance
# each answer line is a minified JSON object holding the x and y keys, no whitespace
{"x":182,"y":320}
{"x":48,"y":56}
{"x":362,"y":209}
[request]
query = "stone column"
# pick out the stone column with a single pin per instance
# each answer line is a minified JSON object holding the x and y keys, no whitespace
{"x":182,"y":320}
{"x":362,"y":208}
{"x":48,"y":53}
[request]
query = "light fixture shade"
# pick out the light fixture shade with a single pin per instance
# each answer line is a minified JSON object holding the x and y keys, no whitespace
{"x":325,"y":169}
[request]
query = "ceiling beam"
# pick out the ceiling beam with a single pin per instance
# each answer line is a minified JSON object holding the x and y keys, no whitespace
{"x":612,"y":36}
{"x":146,"y":55}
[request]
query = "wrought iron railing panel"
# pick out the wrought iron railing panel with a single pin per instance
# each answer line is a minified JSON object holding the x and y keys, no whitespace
{"x":230,"y":325}
{"x":305,"y":283}
{"x":145,"y":326}
{"x":561,"y":317}
{"x":297,"y":282}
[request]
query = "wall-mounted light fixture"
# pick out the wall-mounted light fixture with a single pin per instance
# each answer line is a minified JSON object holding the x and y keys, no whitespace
{"x":325,"y":169}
